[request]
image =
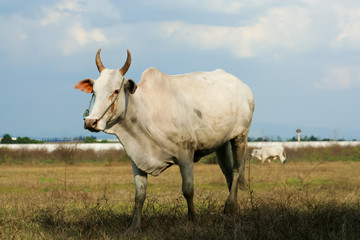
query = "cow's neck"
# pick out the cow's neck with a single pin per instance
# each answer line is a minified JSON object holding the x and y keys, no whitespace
{"x":133,"y":130}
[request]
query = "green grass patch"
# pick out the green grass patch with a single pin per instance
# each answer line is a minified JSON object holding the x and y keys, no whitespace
{"x":293,"y":182}
{"x":259,"y":186}
{"x":328,"y":154}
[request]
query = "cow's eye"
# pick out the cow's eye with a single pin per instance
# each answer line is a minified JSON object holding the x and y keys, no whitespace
{"x":116,"y":91}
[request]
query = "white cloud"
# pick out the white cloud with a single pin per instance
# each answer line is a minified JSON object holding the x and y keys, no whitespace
{"x":269,"y":34}
{"x":71,"y":18}
{"x":282,"y":28}
{"x":342,"y":77}
{"x":78,"y":36}
{"x":218,"y":6}
{"x":61,"y":11}
{"x":64,"y":28}
{"x":349,"y":27}
{"x":223,"y":6}
{"x":71,"y":5}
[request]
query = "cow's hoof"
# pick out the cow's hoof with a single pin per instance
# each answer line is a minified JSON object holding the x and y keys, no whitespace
{"x":231,"y":208}
{"x":243,"y":187}
{"x":132,"y":231}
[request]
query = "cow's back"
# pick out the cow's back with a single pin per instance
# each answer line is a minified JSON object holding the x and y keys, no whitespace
{"x":209,"y":108}
{"x":272,"y":151}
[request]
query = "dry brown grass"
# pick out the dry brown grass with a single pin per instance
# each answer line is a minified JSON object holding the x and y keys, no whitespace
{"x":301,"y":200}
{"x":63,"y":153}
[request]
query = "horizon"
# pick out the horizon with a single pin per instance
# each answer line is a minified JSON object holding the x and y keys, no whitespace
{"x":251,"y":138}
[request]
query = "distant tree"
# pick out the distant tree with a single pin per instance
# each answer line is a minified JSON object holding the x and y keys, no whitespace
{"x":312,"y":138}
{"x":22,"y":140}
{"x":25,"y":140}
{"x":6,"y":139}
{"x":293,"y":139}
{"x":89,"y":140}
{"x":326,"y":139}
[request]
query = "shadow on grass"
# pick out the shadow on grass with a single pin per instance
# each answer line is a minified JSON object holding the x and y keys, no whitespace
{"x":262,"y":220}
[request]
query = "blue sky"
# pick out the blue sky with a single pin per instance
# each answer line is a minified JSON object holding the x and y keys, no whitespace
{"x":301,"y":58}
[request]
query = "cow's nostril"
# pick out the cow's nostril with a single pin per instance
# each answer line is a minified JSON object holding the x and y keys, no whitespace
{"x":91,"y":123}
{"x":94,"y":123}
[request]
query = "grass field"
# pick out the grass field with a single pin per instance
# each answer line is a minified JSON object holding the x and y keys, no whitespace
{"x":301,"y":200}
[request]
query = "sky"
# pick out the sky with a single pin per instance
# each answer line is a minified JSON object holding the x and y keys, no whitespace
{"x":301,"y":58}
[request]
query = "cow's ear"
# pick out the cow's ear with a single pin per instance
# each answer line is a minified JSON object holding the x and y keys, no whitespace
{"x":131,"y":86}
{"x":85,"y":85}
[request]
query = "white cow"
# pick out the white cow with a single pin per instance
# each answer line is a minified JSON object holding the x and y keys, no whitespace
{"x":166,"y":120}
{"x":268,"y":153}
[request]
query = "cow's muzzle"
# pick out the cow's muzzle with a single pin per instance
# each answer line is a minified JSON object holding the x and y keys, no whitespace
{"x":91,"y":124}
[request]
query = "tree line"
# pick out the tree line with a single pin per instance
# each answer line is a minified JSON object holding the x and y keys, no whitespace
{"x":312,"y":138}
{"x":7,"y":139}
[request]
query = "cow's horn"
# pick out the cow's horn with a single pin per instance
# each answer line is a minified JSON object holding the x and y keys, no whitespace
{"x":126,"y":66}
{"x":99,"y":64}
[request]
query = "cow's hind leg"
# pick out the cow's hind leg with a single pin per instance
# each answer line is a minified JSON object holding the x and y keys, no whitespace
{"x":187,"y":174}
{"x":238,"y":145}
{"x":223,"y":155}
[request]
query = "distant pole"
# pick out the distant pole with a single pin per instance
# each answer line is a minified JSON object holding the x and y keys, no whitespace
{"x":298,"y":133}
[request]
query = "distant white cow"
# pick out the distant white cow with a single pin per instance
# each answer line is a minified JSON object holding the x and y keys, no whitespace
{"x":268,"y":153}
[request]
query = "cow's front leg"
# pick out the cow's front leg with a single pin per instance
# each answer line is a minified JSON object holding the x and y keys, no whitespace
{"x":187,"y":174}
{"x":140,"y":178}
